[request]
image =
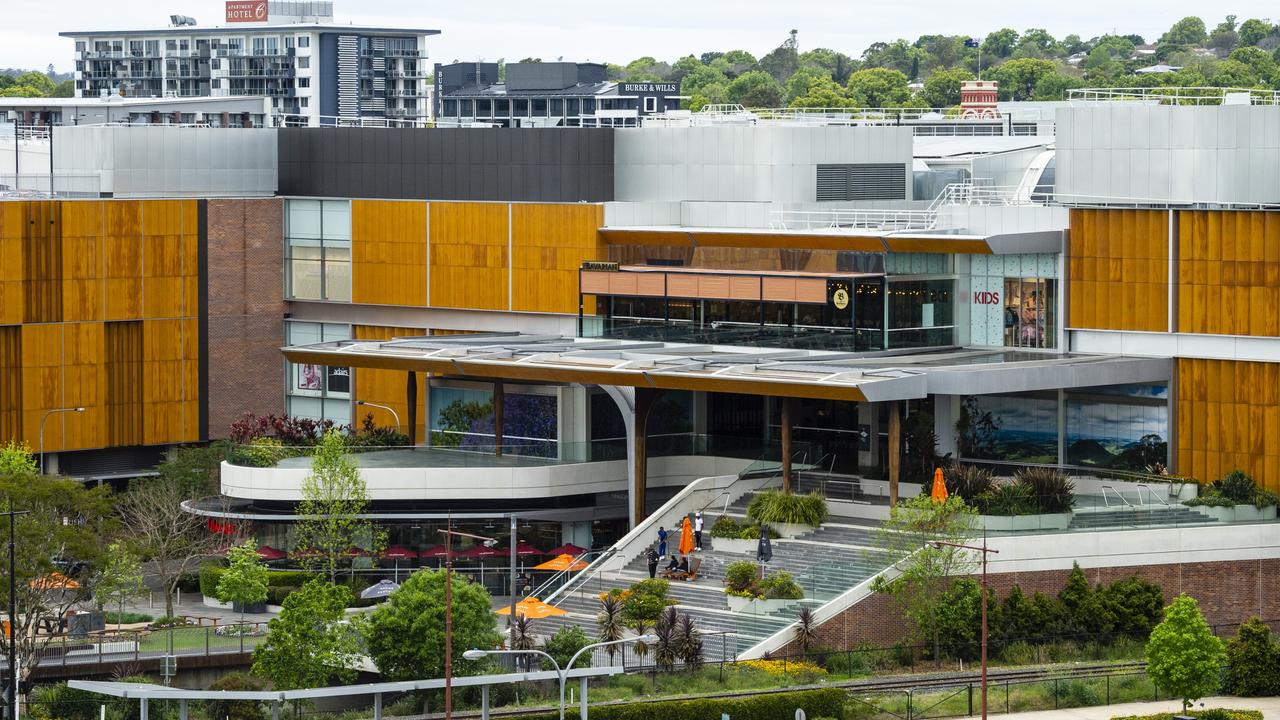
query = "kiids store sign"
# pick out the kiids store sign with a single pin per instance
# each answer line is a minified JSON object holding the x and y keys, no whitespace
{"x":239,"y":11}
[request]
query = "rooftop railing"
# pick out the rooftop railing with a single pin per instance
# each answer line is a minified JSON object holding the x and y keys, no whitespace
{"x":1176,"y":96}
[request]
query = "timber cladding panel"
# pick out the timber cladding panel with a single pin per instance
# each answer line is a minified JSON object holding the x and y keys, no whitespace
{"x":103,"y":316}
{"x":469,"y":261}
{"x":1229,"y":272}
{"x":1118,"y":270}
{"x":388,"y":387}
{"x":389,"y":252}
{"x":548,"y":245}
{"x":1229,"y":419}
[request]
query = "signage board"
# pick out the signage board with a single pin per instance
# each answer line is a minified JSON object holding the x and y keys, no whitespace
{"x":649,"y":88}
{"x":241,"y":11}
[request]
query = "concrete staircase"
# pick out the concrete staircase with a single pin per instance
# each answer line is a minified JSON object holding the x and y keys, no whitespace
{"x":1136,"y":516}
{"x":825,"y":562}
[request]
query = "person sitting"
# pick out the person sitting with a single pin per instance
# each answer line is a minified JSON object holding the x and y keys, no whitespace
{"x":684,"y":565}
{"x":695,"y":564}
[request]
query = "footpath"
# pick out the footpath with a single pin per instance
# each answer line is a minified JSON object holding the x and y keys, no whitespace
{"x":1270,"y":708}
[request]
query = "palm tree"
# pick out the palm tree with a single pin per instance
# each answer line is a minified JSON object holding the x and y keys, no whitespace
{"x":806,"y":633}
{"x":690,"y":647}
{"x":522,"y":638}
{"x":666,"y":649}
{"x":610,"y":623}
{"x":641,"y":648}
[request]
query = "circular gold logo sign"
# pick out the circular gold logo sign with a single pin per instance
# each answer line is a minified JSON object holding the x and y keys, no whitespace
{"x":840,"y":298}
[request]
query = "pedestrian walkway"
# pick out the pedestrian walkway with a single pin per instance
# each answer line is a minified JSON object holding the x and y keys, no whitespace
{"x":1270,"y":708}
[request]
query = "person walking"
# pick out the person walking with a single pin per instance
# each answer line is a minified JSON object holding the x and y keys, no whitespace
{"x":651,"y":558}
{"x":662,"y":541}
{"x":697,"y":530}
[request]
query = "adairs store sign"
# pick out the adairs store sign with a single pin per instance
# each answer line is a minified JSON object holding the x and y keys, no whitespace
{"x":247,"y":11}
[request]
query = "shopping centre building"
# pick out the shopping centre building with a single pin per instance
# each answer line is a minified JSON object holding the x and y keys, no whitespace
{"x":578,"y":322}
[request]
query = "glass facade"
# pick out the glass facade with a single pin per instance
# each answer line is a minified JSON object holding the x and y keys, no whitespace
{"x":920,"y":313}
{"x":318,"y":250}
{"x":462,"y":417}
{"x":316,"y":391}
{"x":1123,"y":427}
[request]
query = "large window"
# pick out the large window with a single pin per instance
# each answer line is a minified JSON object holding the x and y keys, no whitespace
{"x":1030,"y":312}
{"x":1121,"y":426}
{"x":316,"y":391}
{"x":462,"y":417}
{"x":1016,"y":427}
{"x":920,"y":313}
{"x":318,"y":250}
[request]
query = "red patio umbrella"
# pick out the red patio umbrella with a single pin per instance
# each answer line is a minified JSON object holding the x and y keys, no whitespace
{"x":567,"y":549}
{"x":354,"y":551}
{"x":434,"y":552}
{"x":268,"y":553}
{"x":524,"y":548}
{"x":399,"y":552}
{"x":480,"y":551}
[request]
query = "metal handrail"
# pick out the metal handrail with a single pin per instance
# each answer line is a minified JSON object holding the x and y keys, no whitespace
{"x":1105,"y":488}
{"x":1142,"y":486}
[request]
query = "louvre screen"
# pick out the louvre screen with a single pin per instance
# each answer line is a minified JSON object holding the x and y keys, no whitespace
{"x":884,"y":181}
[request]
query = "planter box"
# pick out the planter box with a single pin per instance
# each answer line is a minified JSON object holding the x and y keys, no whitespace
{"x":789,"y":530}
{"x":752,"y":606}
{"x":1237,"y":513}
{"x":734,"y":545}
{"x":736,"y":603}
{"x":251,"y":608}
{"x":1050,"y":521}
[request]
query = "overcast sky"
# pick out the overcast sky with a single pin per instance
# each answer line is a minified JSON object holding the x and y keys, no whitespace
{"x":605,"y":30}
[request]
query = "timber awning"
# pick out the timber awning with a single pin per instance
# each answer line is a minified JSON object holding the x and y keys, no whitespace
{"x":871,"y":376}
{"x":658,"y":365}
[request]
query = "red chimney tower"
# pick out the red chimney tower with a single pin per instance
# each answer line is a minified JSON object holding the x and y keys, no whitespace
{"x":978,"y":98}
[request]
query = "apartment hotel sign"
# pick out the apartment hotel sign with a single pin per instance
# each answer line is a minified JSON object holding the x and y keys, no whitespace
{"x":239,"y":11}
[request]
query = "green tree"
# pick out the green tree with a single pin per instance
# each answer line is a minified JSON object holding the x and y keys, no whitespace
{"x":310,"y":643}
{"x":878,"y":87}
{"x":1054,"y":86}
{"x":565,"y":643}
{"x":38,"y":81}
{"x":806,"y":77}
{"x":1184,"y":657}
{"x":64,"y":89}
{"x":823,"y":94}
{"x":405,"y":635}
{"x":1233,"y":73}
{"x":1108,"y":56}
{"x":1258,"y":60}
{"x":683,"y":67}
{"x":1037,"y":43}
{"x":1018,"y":78}
{"x":195,"y":468}
{"x":1186,"y":33}
{"x":755,"y":89}
{"x":781,"y":63}
{"x":334,"y":496}
{"x":898,"y":55}
{"x":1001,"y":42}
{"x":245,"y":580}
{"x":1253,"y":661}
{"x":120,"y":579}
{"x":707,"y":82}
{"x":942,"y":89}
{"x":942,"y":52}
{"x":1254,"y":31}
{"x":65,"y":523}
{"x":646,"y":69}
{"x":16,"y":458}
{"x":836,"y":65}
{"x":236,"y":709}
{"x":925,"y":570}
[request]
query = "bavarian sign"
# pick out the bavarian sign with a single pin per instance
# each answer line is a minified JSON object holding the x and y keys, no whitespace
{"x":239,"y":11}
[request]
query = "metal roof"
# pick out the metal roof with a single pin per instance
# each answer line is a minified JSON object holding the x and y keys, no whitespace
{"x":500,"y":91}
{"x":872,"y":377}
{"x":282,"y":29}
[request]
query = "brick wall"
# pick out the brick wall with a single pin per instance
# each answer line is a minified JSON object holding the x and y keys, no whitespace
{"x":246,"y":310}
{"x":1229,"y":593}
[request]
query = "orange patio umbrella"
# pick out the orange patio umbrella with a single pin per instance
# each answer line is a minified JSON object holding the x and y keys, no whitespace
{"x":54,"y":581}
{"x":562,"y":563}
{"x":686,"y":537}
{"x":533,"y":608}
{"x":939,"y":492}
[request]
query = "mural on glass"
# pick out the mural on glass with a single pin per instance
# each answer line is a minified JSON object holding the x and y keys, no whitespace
{"x":463,"y":418}
{"x":1022,"y":427}
{"x":1125,"y":427}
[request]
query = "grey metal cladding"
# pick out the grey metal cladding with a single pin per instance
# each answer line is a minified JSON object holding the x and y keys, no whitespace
{"x":513,"y":164}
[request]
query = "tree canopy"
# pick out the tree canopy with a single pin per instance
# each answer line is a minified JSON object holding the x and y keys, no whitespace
{"x":1184,"y":657}
{"x":309,"y":642}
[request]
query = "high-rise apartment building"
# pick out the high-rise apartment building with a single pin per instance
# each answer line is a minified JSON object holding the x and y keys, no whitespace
{"x":315,"y":71}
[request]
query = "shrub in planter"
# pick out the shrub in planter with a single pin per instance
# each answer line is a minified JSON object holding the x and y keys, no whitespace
{"x":1210,"y":714}
{"x":776,"y":507}
{"x":1008,"y":499}
{"x":277,"y":593}
{"x":645,"y":601}
{"x":1052,"y":490}
{"x":750,"y":532}
{"x":740,"y":576}
{"x":967,"y":481}
{"x":781,"y":585}
{"x":1237,"y":487}
{"x":725,"y":527}
{"x":1211,"y":500}
{"x":236,"y":709}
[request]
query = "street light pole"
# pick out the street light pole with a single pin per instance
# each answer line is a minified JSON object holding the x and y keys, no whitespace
{"x":46,"y":417}
{"x":563,"y":674}
{"x":448,"y":533}
{"x":11,"y":688}
{"x":389,"y":409}
{"x":985,"y":551}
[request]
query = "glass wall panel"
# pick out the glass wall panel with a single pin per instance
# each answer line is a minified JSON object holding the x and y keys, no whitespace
{"x":318,"y":249}
{"x":921,"y":313}
{"x":316,"y":391}
{"x":305,"y":268}
{"x":462,"y":417}
{"x":1020,"y":427}
{"x":1123,"y":426}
